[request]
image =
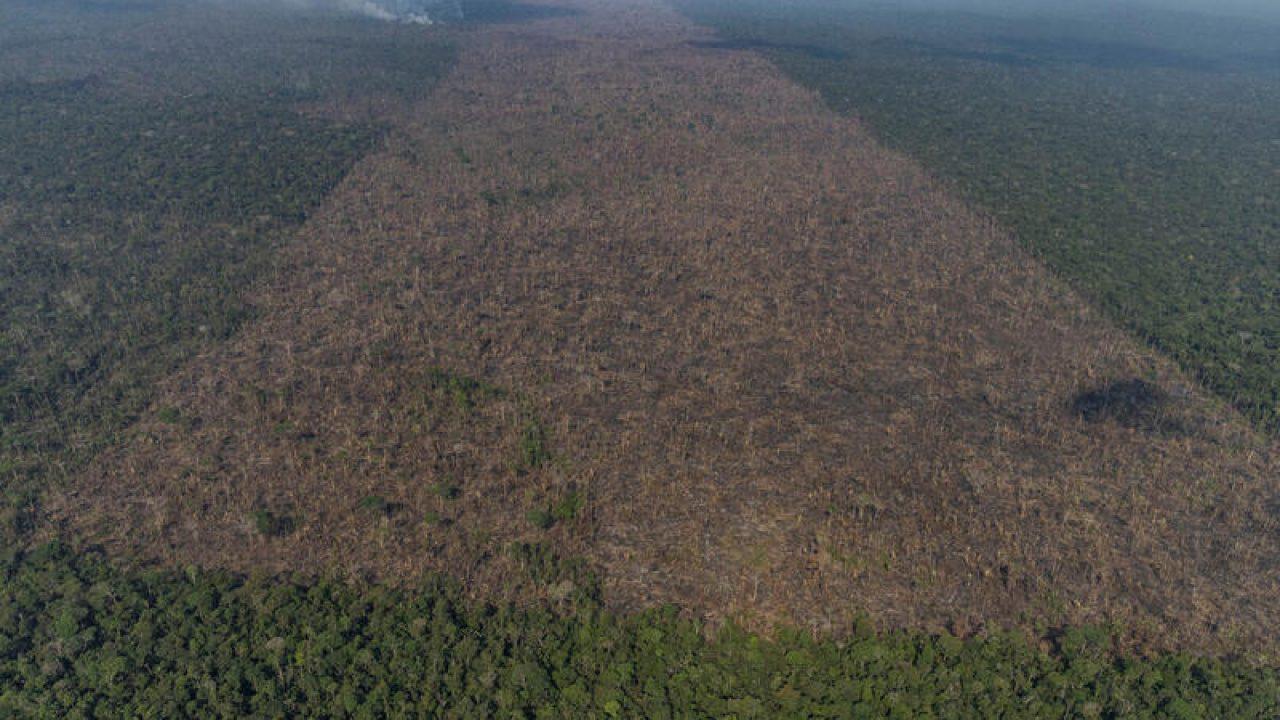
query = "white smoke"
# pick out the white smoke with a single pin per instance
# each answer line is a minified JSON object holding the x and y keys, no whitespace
{"x":417,"y":12}
{"x":420,"y":12}
{"x":371,"y":9}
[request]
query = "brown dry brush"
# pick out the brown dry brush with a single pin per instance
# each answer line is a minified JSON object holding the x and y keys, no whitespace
{"x":791,"y":379}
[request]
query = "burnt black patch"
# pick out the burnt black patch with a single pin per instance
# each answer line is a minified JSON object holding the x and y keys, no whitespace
{"x":1133,"y":403}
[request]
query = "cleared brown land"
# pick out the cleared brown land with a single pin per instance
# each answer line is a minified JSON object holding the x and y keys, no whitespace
{"x":792,"y":379}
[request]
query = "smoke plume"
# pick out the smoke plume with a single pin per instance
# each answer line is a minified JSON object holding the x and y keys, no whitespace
{"x":422,"y":12}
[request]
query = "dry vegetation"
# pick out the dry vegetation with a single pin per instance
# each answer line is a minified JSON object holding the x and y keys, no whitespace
{"x":652,"y":303}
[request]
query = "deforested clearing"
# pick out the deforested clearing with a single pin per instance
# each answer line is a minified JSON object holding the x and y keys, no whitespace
{"x":618,"y":289}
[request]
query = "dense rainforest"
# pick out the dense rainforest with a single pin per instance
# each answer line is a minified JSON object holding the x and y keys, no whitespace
{"x":81,"y":639}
